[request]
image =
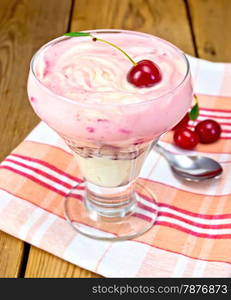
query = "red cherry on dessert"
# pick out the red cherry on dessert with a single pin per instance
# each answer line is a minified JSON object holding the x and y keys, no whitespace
{"x":186,"y":138}
{"x":208,"y":130}
{"x":182,"y":123}
{"x":144,"y":74}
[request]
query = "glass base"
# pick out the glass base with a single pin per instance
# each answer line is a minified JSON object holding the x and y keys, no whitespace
{"x":138,"y":218}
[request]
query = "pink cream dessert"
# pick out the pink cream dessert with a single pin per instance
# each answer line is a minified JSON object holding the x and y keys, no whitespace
{"x":80,"y":89}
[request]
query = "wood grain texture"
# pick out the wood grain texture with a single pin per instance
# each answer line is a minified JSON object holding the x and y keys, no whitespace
{"x":166,"y":19}
{"x":11,"y":252}
{"x":44,"y":265}
{"x":24,"y":26}
{"x":211,"y":21}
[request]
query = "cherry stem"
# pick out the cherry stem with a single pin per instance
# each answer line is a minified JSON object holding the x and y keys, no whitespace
{"x":118,"y":48}
{"x":196,"y":99}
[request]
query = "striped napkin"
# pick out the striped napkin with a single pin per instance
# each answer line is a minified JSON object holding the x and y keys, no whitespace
{"x":192,"y":236}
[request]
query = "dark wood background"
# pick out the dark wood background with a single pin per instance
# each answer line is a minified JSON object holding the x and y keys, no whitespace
{"x":199,"y":27}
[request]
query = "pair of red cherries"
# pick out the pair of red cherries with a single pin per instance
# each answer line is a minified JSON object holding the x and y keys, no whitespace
{"x":205,"y":132}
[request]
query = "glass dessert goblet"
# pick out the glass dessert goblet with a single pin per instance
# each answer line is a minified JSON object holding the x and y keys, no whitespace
{"x":80,"y":89}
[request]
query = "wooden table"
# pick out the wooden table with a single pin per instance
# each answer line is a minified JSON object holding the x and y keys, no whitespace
{"x":199,"y":27}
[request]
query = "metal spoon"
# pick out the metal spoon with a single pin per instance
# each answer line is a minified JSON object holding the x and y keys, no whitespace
{"x":195,"y":168}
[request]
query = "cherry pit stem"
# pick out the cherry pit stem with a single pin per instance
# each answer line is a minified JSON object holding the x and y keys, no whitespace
{"x":101,"y":40}
{"x":144,"y":73}
{"x":113,"y":45}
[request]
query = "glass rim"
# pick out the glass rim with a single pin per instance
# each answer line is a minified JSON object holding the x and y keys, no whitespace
{"x":70,"y":100}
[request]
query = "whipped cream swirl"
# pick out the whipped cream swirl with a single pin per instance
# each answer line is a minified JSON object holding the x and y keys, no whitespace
{"x":94,"y":72}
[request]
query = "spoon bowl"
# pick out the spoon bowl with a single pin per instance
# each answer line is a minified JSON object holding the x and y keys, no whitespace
{"x":191,"y":167}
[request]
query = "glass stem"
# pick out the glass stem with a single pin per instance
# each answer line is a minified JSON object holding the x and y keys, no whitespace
{"x":112,"y":202}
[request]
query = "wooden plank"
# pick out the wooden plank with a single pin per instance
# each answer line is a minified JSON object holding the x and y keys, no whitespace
{"x":24,"y":26}
{"x":11,"y":253}
{"x":211,"y":21}
{"x":166,"y":19}
{"x":44,"y":265}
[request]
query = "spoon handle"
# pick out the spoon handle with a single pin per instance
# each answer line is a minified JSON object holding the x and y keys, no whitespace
{"x":161,"y":150}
